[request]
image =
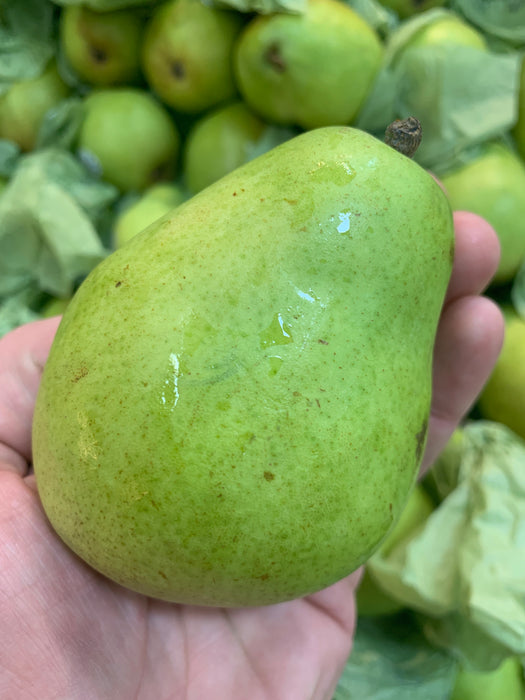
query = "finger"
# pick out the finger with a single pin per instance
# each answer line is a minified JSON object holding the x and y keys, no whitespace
{"x":476,"y":255}
{"x":468,"y":342}
{"x":23,"y":353}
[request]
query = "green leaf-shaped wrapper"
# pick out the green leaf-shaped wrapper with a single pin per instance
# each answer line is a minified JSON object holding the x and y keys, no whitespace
{"x":26,"y":38}
{"x":462,"y":95}
{"x":48,"y":215}
{"x":465,"y":571}
{"x":504,"y":19}
{"x":392,"y":660}
{"x":107,"y":5}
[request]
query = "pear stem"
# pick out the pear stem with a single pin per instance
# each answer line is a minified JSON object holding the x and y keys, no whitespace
{"x":404,"y":135}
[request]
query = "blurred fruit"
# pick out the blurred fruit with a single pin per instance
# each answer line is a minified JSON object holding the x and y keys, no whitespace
{"x":54,"y":307}
{"x":406,"y":8}
{"x":492,"y":185}
{"x":505,"y":683}
{"x":519,"y":129}
{"x":371,"y":598}
{"x":503,"y":397}
{"x":251,"y":437}
{"x":187,"y":54}
{"x":447,"y":29}
{"x":312,"y":69}
{"x":133,"y":137}
{"x":103,"y":48}
{"x":218,"y":143}
{"x":150,"y":206}
{"x":23,"y":106}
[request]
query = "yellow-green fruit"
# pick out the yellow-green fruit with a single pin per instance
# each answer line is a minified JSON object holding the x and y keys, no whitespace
{"x":154,"y":203}
{"x":312,"y":69}
{"x":187,"y":54}
{"x":492,"y":185}
{"x":446,"y":30}
{"x":132,"y":136}
{"x":505,"y":683}
{"x":407,"y":8}
{"x":503,"y":397}
{"x":25,"y":104}
{"x":519,"y":129}
{"x":218,"y":143}
{"x":103,"y":48}
{"x":235,"y":405}
{"x":371,"y":598}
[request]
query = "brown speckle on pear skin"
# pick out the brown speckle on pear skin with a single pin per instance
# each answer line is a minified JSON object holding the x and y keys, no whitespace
{"x":269,"y":476}
{"x":82,"y":372}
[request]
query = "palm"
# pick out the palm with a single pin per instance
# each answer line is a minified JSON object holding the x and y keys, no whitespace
{"x":90,"y":634}
{"x":72,"y":633}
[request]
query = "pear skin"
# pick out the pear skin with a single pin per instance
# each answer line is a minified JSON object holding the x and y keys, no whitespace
{"x":218,"y":143}
{"x":103,"y":48}
{"x":24,"y":105}
{"x":312,"y":69}
{"x":131,"y":135}
{"x":492,"y":185}
{"x":236,"y":402}
{"x":187,"y":54}
{"x":503,"y":397}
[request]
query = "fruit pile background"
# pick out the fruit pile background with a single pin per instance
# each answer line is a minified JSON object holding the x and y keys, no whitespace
{"x":115,"y":111}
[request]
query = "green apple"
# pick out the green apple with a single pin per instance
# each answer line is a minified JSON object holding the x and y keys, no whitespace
{"x":132,"y":136}
{"x":519,"y":129}
{"x":187,"y":54}
{"x":505,"y":683}
{"x":23,"y":106}
{"x":503,"y":397}
{"x":103,"y":48}
{"x":492,"y":185}
{"x":156,"y":201}
{"x":218,"y":143}
{"x":372,"y":599}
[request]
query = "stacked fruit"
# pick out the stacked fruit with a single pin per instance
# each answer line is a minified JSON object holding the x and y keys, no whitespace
{"x":115,"y":112}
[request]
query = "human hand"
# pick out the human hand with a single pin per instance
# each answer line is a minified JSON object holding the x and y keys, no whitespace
{"x":70,"y":633}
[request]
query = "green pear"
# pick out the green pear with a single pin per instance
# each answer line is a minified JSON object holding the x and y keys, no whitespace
{"x":218,"y":143}
{"x":312,"y":69}
{"x":503,"y":397}
{"x":235,"y":405}
{"x":23,"y":106}
{"x":132,"y":137}
{"x":445,"y":30}
{"x":156,"y":201}
{"x":519,"y":129}
{"x":407,"y":8}
{"x":103,"y":48}
{"x":505,"y":683}
{"x":372,"y":599}
{"x":187,"y":54}
{"x":492,"y":185}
